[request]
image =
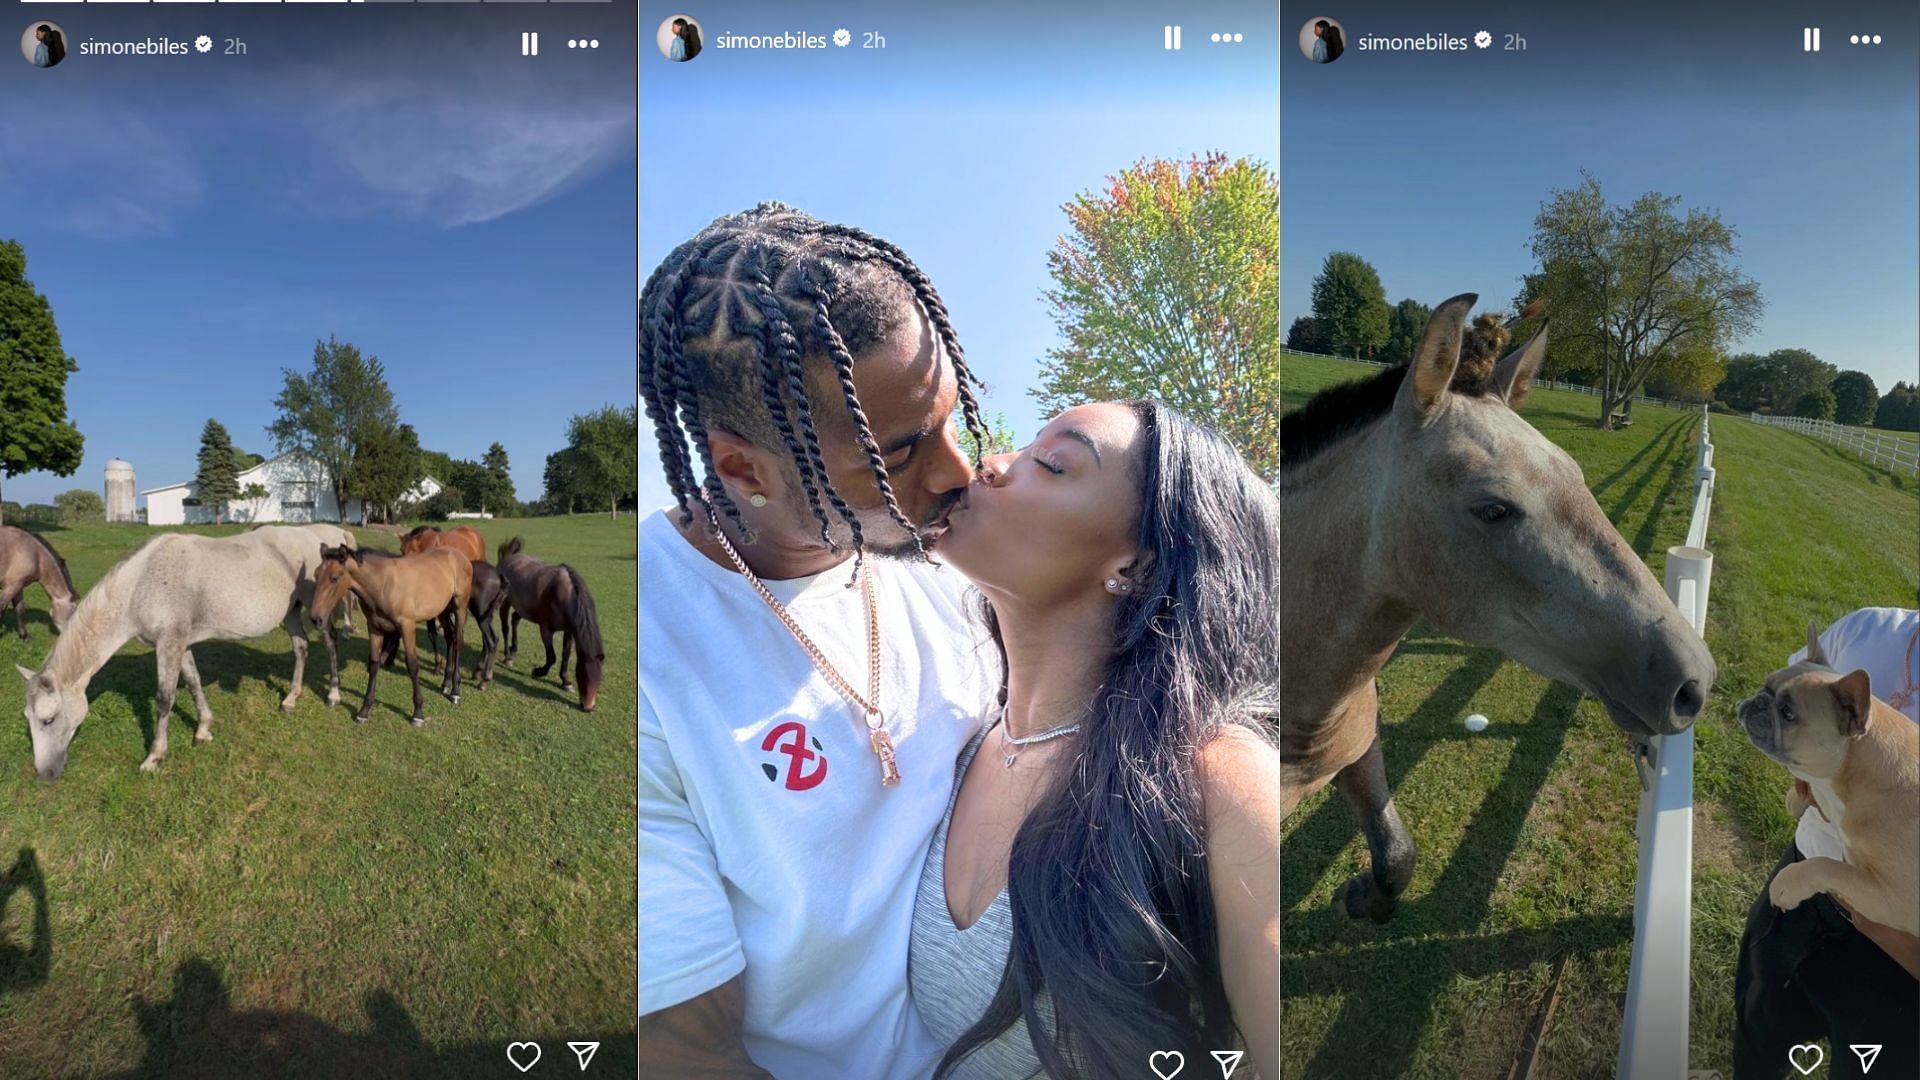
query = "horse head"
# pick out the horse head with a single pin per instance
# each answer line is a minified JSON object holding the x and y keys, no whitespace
{"x":332,"y":579}
{"x":1488,"y":530}
{"x":53,"y":713}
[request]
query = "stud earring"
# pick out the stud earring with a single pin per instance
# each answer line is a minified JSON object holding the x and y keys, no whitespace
{"x":756,"y":500}
{"x":1114,"y":585}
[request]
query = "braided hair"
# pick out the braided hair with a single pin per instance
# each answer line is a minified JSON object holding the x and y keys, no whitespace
{"x":733,"y":320}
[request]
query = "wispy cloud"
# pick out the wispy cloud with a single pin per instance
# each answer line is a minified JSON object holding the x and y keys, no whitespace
{"x":111,"y":175}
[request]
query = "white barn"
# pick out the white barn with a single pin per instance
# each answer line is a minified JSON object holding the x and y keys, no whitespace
{"x":298,"y":491}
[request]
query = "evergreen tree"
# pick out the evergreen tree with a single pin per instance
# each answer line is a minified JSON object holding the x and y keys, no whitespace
{"x":218,"y":479}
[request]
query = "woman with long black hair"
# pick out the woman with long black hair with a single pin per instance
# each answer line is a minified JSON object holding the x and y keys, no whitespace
{"x":49,"y":46}
{"x":1105,"y":885}
{"x":1336,"y":42}
{"x":691,"y":35}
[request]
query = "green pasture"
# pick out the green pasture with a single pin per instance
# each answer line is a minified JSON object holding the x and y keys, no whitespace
{"x":305,"y":896}
{"x":1525,"y":831}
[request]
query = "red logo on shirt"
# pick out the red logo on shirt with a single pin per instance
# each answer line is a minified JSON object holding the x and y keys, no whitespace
{"x":799,"y":778}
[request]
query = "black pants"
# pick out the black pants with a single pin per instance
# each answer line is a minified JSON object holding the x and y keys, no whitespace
{"x":1807,"y":974}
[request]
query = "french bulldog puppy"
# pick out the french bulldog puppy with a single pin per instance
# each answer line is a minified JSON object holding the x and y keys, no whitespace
{"x":1861,"y":761}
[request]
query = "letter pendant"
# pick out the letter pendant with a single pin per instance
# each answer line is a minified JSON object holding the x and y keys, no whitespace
{"x":883,"y":749}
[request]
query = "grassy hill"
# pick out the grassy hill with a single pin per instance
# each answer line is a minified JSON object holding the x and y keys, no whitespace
{"x":1527,"y":852}
{"x":304,"y":896}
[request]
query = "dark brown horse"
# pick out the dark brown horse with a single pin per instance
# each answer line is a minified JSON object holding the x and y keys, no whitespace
{"x":554,"y":598}
{"x":395,"y":595}
{"x":466,"y":540}
{"x":24,"y":559}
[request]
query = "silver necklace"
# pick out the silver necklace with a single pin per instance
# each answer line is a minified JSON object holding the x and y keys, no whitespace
{"x":1005,"y":739}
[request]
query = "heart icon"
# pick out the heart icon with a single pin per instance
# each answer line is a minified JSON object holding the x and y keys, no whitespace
{"x":1810,"y":1051}
{"x":1166,"y":1064}
{"x":528,"y":1050}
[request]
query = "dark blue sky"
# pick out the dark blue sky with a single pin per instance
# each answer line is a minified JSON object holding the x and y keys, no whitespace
{"x":1433,"y":165}
{"x":959,"y":141}
{"x":399,"y":177}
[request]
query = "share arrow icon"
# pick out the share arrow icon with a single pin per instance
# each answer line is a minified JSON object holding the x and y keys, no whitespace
{"x":584,"y":1051}
{"x":1866,"y":1052}
{"x":1230,"y":1060}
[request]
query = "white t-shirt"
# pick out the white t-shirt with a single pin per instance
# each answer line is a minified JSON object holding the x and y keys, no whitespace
{"x":1877,"y":640}
{"x":767,"y":843}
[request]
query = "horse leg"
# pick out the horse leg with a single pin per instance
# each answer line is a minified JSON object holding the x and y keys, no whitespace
{"x":297,"y":636}
{"x":455,"y":639}
{"x":546,"y":638}
{"x":333,"y":665}
{"x":413,"y":671}
{"x":566,"y":650}
{"x":509,"y":633}
{"x":443,"y":625}
{"x":1376,"y":892}
{"x":19,"y":619}
{"x":203,"y":733}
{"x":378,"y":656}
{"x":166,"y":659}
{"x":483,"y":667}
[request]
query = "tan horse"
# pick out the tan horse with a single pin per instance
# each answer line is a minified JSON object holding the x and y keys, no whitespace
{"x":1421,"y":492}
{"x":24,"y":559}
{"x":396,"y":595}
{"x":465,"y":539}
{"x":175,"y":590}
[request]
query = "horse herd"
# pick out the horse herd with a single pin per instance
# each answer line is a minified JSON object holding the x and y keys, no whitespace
{"x":179,"y":589}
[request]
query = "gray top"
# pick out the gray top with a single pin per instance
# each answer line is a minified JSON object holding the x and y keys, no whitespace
{"x":952,"y":973}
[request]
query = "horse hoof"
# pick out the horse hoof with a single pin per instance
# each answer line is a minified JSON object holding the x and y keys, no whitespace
{"x":150,"y":765}
{"x":333,"y":697}
{"x":566,"y":687}
{"x":1360,"y":898}
{"x":455,"y":698}
{"x":286,"y":705}
{"x":418,"y":720}
{"x":201,"y":738}
{"x":359,"y":719}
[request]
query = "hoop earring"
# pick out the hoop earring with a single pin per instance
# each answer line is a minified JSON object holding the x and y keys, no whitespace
{"x":756,"y":500}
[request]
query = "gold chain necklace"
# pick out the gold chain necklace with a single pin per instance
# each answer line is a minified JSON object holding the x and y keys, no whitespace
{"x":869,"y":705}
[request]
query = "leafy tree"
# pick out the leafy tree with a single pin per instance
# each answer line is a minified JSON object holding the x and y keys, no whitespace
{"x":1304,"y":335}
{"x":1775,"y":382}
{"x":437,"y":465}
{"x":499,"y":495}
{"x":1350,"y":305}
{"x":1815,"y":404}
{"x":35,"y":434}
{"x":1855,"y":397}
{"x":1404,"y":326}
{"x":1166,"y":285}
{"x":255,"y":496}
{"x":1691,"y":375}
{"x":999,"y":438}
{"x":561,"y":479}
{"x":1899,"y":410}
{"x":447,"y":501}
{"x":1639,"y":284}
{"x":217,"y":480}
{"x":80,"y":506}
{"x":385,"y":469}
{"x":329,"y":412}
{"x":608,"y":460}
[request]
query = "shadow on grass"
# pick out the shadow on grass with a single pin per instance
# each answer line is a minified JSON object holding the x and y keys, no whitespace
{"x":25,"y":968}
{"x":198,"y":1033}
{"x":1627,"y":466}
{"x":1876,"y":475}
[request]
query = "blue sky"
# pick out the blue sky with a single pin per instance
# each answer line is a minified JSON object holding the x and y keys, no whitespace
{"x":399,"y":177}
{"x":1432,"y":166}
{"x":959,"y":141}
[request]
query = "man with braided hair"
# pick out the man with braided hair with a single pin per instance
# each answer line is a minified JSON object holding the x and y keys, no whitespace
{"x":808,"y":675}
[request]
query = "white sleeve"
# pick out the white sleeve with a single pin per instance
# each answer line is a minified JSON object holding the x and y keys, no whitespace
{"x":688,"y":943}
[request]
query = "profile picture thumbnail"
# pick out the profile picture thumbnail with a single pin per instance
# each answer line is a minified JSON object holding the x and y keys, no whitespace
{"x":1322,"y":40}
{"x":679,"y":38}
{"x":44,"y":44}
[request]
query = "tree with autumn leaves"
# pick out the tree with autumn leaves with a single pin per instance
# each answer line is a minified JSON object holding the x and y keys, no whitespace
{"x":1166,"y":286}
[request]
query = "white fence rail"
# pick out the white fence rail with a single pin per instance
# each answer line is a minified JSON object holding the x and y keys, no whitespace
{"x":1549,"y":384}
{"x":1653,"y":1040}
{"x":1896,"y":452}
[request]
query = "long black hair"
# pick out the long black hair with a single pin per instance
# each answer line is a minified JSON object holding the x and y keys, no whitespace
{"x":691,"y":35}
{"x":731,"y":321}
{"x":1336,"y":43}
{"x":56,"y":45}
{"x":1112,"y":904}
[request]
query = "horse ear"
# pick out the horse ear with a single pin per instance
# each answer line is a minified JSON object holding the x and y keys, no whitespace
{"x":1815,"y":654}
{"x":1514,"y":373}
{"x":1425,"y":388}
{"x":24,"y":673}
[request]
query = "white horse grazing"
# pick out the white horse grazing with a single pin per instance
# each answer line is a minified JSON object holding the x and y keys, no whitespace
{"x":175,"y":590}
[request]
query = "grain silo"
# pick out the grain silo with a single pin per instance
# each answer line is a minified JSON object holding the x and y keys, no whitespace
{"x":120,"y":491}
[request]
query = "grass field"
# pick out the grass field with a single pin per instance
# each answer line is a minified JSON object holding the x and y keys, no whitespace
{"x":1525,"y":831}
{"x":304,"y":896}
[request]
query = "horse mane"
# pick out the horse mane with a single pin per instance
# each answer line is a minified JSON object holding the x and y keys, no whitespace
{"x":511,"y":547}
{"x":1332,"y":415}
{"x":87,"y":625}
{"x":66,"y":576}
{"x":416,"y":531}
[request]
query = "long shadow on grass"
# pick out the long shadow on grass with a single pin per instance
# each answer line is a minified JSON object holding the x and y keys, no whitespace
{"x":1678,"y":472}
{"x":1407,"y":987}
{"x":25,"y":968}
{"x":1626,"y":467}
{"x":198,"y":1033}
{"x":1663,"y":463}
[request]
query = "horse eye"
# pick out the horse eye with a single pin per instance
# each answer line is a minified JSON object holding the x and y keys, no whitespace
{"x":1492,"y":512}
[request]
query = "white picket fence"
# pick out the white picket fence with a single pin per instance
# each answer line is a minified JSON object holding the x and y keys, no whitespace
{"x":1653,"y":1040}
{"x":1898,"y":453}
{"x":1550,"y":384}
